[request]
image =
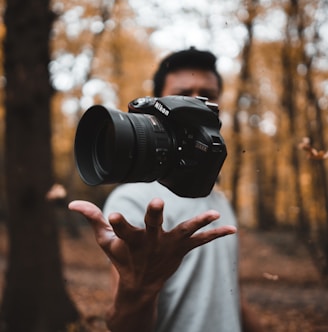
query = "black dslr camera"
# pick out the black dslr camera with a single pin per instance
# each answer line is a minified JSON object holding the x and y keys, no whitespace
{"x":175,"y":140}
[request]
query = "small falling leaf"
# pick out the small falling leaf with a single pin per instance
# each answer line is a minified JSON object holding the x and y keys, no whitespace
{"x":311,"y":152}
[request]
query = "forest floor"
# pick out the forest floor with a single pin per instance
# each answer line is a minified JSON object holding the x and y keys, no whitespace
{"x":278,"y":279}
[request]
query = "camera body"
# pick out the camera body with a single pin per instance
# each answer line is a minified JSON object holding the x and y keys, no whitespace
{"x":175,"y":140}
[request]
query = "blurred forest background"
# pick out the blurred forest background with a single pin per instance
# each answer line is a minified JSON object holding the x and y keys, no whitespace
{"x":273,"y":56}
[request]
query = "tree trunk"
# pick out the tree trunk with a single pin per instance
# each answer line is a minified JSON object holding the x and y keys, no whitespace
{"x":237,"y":149}
{"x":266,"y":188}
{"x":316,"y":132}
{"x":290,"y":58}
{"x":35,"y":298}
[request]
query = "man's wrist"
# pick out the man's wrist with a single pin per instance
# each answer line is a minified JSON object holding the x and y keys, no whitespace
{"x":127,"y":295}
{"x":133,"y":309}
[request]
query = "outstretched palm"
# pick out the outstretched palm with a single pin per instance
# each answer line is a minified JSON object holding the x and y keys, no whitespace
{"x":146,"y":257}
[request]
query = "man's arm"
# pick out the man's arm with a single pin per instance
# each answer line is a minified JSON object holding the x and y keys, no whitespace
{"x":144,"y":258}
{"x":250,"y":321}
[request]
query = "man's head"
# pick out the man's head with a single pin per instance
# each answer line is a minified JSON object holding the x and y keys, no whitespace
{"x":189,"y":72}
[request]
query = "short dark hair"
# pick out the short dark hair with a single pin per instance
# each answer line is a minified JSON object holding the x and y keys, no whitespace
{"x":185,"y":59}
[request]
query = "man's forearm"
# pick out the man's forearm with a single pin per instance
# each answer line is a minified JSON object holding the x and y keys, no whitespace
{"x":133,"y":311}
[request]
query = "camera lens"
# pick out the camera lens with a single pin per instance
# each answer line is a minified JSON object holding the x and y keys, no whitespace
{"x":115,"y":147}
{"x":103,"y":149}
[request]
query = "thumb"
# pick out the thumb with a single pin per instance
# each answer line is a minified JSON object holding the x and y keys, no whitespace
{"x":88,"y":209}
{"x":101,"y":227}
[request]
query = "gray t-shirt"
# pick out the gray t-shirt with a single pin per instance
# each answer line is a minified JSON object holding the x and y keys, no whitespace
{"x":203,"y":294}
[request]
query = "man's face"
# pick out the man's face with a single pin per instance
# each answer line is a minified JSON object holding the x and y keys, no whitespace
{"x":192,"y":82}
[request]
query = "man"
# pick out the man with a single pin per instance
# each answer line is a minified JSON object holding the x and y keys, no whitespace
{"x":171,"y":274}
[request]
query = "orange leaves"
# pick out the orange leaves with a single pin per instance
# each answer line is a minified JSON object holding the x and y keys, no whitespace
{"x":311,"y":152}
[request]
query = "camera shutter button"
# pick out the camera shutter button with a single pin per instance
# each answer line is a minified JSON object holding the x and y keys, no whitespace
{"x":139,"y":102}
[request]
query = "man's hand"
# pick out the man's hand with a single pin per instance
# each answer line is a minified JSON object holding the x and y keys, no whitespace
{"x":146,"y":257}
